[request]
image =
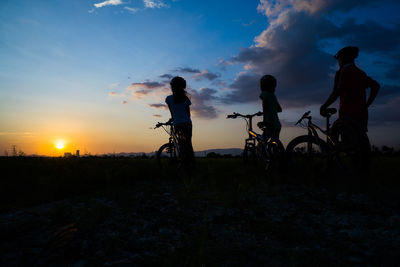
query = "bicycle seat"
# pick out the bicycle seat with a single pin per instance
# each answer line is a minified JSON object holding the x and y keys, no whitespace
{"x":329,"y":112}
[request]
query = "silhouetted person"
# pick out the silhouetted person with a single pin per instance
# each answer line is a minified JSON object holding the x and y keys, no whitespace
{"x":179,"y":106}
{"x":350,"y":85}
{"x":270,"y":106}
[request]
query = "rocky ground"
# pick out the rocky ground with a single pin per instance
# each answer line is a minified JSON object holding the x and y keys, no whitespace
{"x":158,"y":222}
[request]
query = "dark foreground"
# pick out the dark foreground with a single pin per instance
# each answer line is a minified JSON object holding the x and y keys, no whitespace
{"x":126,"y":212}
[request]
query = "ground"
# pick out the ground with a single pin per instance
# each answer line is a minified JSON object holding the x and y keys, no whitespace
{"x":127,"y":212}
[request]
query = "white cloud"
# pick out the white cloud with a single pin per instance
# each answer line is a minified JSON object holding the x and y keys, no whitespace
{"x":109,"y":3}
{"x":154,"y":4}
{"x":131,"y":9}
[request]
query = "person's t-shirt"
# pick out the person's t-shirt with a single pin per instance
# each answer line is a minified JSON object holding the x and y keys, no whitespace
{"x":179,"y":111}
{"x":352,"y":84}
{"x":270,"y":109}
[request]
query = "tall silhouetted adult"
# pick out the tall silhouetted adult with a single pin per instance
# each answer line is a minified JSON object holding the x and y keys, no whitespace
{"x":179,"y":106}
{"x":351,"y":84}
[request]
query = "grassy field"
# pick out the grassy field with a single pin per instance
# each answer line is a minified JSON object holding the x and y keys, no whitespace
{"x":125,"y":211}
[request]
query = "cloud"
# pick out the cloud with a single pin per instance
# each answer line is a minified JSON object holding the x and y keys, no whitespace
{"x":202,"y":103}
{"x":113,"y":85}
{"x":114,"y":94}
{"x":139,"y":90}
{"x":224,"y":63}
{"x":145,"y":85}
{"x":131,"y":9}
{"x":154,"y":4}
{"x":157,"y":115}
{"x":108,"y":3}
{"x":167,"y":76}
{"x":156,"y":105}
{"x":205,"y":74}
{"x":244,"y":89}
{"x":291,"y":49}
{"x":188,"y":70}
{"x":385,"y":112}
{"x":124,"y":102}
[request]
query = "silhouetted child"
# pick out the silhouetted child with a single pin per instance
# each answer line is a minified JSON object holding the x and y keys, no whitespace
{"x":178,"y":104}
{"x":270,"y":106}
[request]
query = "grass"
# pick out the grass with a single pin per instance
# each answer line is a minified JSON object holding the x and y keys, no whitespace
{"x":28,"y":181}
{"x":122,"y":200}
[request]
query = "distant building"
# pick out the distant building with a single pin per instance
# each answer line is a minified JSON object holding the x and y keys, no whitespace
{"x":77,"y":153}
{"x":67,"y":154}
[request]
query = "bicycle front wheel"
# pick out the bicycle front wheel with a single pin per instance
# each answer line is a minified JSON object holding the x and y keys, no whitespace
{"x":308,"y":153}
{"x":249,"y":154}
{"x":167,"y":155}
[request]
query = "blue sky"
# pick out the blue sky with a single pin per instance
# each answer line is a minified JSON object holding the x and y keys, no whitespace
{"x":89,"y":71}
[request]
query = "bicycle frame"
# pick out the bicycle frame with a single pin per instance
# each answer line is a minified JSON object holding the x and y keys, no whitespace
{"x":253,"y":137}
{"x":312,"y":128}
{"x":173,"y":138}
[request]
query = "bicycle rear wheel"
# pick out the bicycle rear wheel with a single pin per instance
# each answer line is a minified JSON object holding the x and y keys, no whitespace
{"x":167,"y":155}
{"x":272,"y":154}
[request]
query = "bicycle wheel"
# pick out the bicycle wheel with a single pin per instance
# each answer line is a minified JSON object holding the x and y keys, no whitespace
{"x":308,"y":153}
{"x":276,"y":150}
{"x":167,"y":155}
{"x":272,"y":154}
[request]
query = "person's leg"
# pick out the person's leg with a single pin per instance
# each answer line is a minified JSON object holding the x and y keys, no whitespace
{"x":185,"y":130}
{"x":189,"y":144}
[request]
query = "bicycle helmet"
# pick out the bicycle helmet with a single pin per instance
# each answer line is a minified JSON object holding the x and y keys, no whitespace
{"x":348,"y":52}
{"x":267,"y":82}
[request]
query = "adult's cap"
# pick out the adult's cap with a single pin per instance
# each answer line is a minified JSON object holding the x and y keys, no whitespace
{"x":347,"y":52}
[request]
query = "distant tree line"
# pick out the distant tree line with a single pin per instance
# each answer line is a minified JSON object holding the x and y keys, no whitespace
{"x":385,"y":150}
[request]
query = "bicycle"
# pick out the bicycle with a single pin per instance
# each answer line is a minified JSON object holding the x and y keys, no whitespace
{"x":258,"y":146}
{"x":320,"y":154}
{"x":169,"y":153}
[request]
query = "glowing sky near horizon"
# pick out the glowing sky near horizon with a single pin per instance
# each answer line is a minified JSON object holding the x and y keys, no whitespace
{"x":94,"y":73}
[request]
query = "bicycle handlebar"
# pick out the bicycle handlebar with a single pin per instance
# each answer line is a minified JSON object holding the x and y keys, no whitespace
{"x":327,"y":114}
{"x":248,"y":116}
{"x":159,"y":124}
{"x":305,"y":115}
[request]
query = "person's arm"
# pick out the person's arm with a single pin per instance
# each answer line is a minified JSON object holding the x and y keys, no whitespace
{"x":266,"y":112}
{"x":170,"y":111}
{"x":169,"y":107}
{"x":331,"y":99}
{"x":333,"y":96}
{"x":188,"y":106}
{"x":374,"y":86}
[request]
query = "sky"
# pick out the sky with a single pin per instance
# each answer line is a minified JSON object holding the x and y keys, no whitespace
{"x":94,"y":75}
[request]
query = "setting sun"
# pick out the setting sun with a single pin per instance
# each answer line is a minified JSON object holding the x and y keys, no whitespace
{"x":60,"y":145}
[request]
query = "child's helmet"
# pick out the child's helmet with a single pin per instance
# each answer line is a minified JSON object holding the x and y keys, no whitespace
{"x":268,"y":81}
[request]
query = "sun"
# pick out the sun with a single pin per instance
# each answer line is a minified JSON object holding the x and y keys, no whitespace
{"x":60,"y":145}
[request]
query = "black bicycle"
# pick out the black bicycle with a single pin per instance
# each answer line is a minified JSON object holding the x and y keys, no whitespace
{"x":259,"y":146}
{"x":310,"y":151}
